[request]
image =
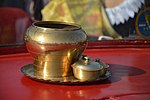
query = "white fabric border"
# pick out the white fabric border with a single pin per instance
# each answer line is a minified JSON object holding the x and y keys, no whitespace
{"x":124,"y":11}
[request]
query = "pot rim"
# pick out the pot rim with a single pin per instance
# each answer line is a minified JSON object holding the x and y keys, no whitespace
{"x":56,"y":25}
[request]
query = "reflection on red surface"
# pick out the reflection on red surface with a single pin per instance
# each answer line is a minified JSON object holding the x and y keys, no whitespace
{"x":13,"y":24}
{"x":129,"y":96}
{"x":130,"y":78}
{"x":81,"y":91}
{"x":53,"y":92}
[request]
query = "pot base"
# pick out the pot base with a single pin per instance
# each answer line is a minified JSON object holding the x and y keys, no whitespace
{"x":28,"y":70}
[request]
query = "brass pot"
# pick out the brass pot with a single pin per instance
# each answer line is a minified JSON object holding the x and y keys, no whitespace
{"x":87,"y":69}
{"x":54,"y":47}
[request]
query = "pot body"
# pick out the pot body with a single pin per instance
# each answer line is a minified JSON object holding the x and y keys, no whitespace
{"x":85,"y":75}
{"x":54,"y":47}
{"x":87,"y":69}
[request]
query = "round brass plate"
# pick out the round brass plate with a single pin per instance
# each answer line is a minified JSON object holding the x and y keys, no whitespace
{"x":28,"y":70}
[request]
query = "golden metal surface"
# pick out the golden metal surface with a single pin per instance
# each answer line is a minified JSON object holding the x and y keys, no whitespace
{"x":85,"y":75}
{"x":87,"y":69}
{"x":55,"y":46}
{"x":28,"y":70}
{"x":56,"y":63}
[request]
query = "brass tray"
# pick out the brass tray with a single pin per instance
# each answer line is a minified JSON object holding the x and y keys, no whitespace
{"x":28,"y":70}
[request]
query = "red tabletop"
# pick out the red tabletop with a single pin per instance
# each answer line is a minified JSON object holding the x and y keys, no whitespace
{"x":130,"y":78}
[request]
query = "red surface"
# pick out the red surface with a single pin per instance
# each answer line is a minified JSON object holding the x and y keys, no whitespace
{"x":130,"y":78}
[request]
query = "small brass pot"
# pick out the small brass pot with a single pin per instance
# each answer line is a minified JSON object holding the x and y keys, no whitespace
{"x":54,"y":47}
{"x":87,"y":70}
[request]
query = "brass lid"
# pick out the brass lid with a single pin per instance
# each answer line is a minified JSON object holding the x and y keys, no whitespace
{"x":86,"y":63}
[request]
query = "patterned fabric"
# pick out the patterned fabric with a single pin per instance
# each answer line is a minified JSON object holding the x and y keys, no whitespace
{"x":87,"y":13}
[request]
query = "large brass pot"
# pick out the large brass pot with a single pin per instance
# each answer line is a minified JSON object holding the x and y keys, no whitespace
{"x":54,"y":47}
